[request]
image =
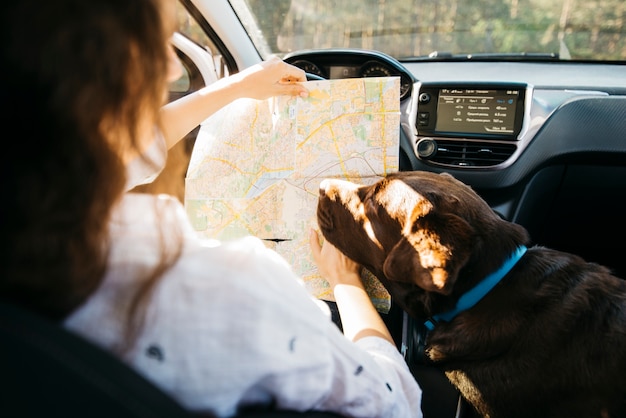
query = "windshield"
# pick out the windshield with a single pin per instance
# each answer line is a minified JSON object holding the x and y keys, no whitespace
{"x":588,"y":30}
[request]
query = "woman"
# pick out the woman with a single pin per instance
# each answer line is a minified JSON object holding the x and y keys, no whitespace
{"x":219,"y":326}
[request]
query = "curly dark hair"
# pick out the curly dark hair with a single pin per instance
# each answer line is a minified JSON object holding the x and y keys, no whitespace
{"x":69,"y":66}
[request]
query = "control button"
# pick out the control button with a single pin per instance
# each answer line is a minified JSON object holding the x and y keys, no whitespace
{"x":423,"y":118}
{"x":426,"y":148}
{"x":424,"y":98}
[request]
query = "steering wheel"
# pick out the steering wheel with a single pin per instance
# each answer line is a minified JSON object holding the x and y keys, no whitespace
{"x":311,"y":76}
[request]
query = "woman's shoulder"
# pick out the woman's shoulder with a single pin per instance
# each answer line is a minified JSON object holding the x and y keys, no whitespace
{"x":244,"y":263}
{"x":147,"y":226}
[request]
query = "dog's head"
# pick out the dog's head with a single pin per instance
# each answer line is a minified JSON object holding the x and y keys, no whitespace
{"x":417,"y":231}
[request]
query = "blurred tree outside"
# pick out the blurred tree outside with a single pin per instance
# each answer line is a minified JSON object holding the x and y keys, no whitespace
{"x":577,"y":29}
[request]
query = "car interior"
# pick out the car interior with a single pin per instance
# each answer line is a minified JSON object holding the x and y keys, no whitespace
{"x":553,"y":161}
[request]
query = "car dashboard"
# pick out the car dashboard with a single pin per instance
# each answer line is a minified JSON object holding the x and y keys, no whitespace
{"x":542,"y":141}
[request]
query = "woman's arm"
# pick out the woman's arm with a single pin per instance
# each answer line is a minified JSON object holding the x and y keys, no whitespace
{"x":359,"y":317}
{"x":273,"y":77}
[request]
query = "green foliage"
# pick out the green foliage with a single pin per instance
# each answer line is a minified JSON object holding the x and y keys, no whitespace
{"x":592,"y":29}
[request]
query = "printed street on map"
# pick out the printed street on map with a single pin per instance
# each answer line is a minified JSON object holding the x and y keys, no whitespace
{"x":257,"y":165}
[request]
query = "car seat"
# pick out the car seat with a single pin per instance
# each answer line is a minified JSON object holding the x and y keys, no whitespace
{"x":46,"y":371}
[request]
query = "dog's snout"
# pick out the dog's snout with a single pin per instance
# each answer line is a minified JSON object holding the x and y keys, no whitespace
{"x":323,"y":186}
{"x":329,"y":189}
{"x":334,"y":188}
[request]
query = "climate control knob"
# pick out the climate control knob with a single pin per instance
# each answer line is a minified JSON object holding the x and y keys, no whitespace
{"x":426,"y":148}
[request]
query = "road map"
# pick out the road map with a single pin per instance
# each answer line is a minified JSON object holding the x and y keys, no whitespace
{"x":257,"y":165}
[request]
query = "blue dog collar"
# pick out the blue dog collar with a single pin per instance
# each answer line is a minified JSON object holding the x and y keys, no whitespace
{"x":474,"y":295}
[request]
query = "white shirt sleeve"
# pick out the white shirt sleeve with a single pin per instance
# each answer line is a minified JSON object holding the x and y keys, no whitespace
{"x":147,"y":166}
{"x":231,"y":326}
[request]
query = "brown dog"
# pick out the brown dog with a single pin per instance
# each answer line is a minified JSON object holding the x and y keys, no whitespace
{"x":536,"y":333}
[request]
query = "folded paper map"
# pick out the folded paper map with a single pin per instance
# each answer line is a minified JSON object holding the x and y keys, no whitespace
{"x":257,"y":165}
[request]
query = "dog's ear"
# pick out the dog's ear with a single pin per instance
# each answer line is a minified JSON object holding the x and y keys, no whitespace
{"x":431,"y":252}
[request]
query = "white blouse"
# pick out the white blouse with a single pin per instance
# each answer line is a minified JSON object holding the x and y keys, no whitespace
{"x":230,"y":325}
{"x":145,"y":168}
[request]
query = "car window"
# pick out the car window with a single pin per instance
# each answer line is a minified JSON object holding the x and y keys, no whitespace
{"x":189,"y":26}
{"x":443,"y":29}
{"x":182,"y":85}
{"x":201,"y":65}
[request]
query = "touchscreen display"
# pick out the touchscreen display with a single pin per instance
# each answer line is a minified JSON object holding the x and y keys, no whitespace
{"x":477,"y":111}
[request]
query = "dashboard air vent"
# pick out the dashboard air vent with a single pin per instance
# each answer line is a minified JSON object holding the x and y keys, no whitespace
{"x":471,"y":153}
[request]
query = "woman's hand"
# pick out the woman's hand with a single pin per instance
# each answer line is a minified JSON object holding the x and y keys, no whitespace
{"x":332,"y":264}
{"x":359,"y":317}
{"x":270,"y":78}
